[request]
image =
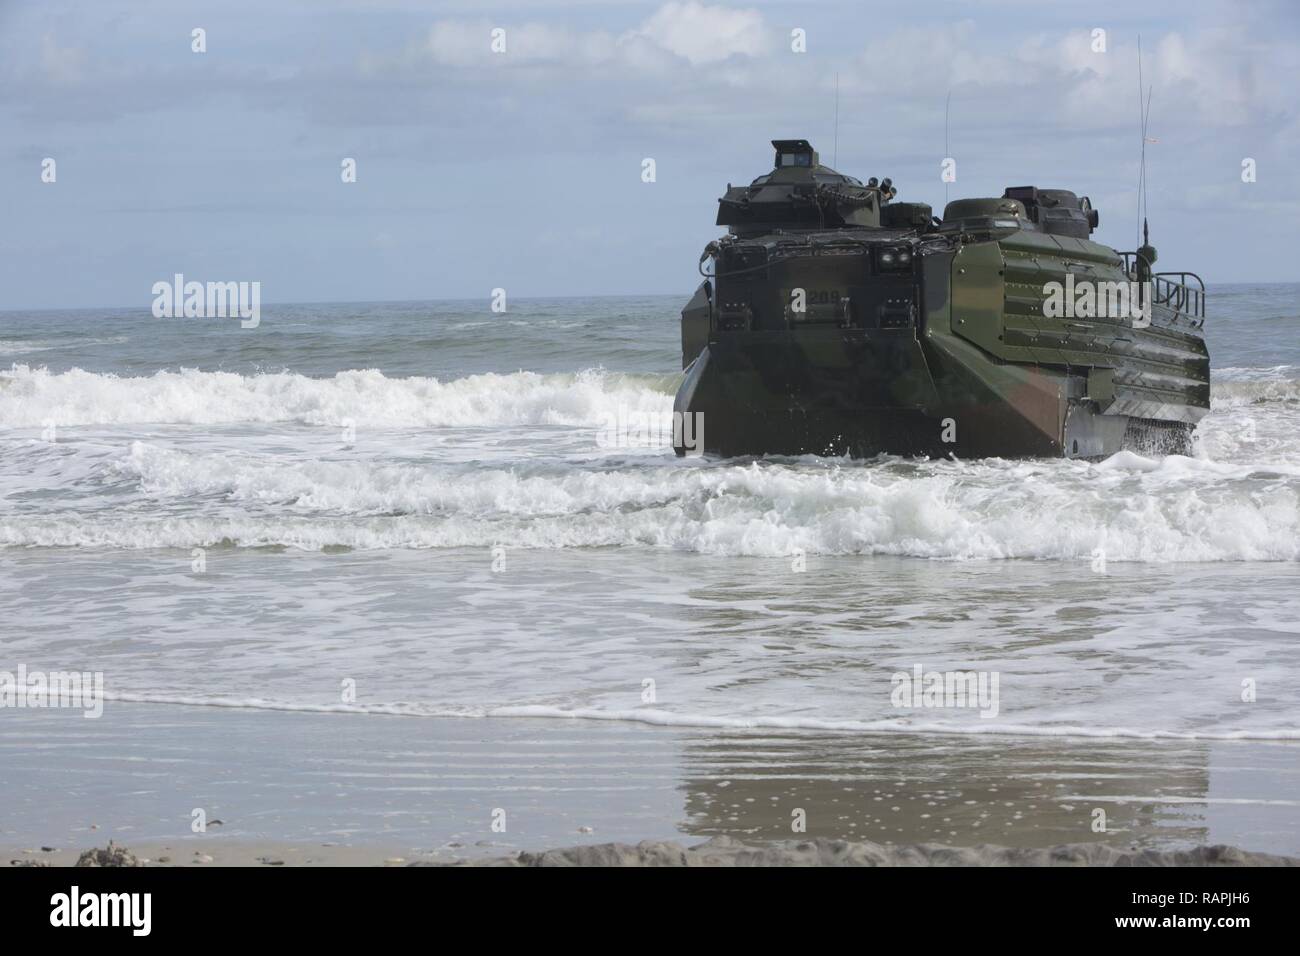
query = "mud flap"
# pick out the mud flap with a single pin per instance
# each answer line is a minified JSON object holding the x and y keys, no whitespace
{"x":1090,"y":435}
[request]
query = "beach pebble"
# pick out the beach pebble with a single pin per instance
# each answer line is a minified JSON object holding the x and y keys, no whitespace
{"x":112,"y":855}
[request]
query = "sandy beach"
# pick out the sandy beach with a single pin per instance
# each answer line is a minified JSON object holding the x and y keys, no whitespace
{"x":717,"y":852}
{"x":294,"y":789}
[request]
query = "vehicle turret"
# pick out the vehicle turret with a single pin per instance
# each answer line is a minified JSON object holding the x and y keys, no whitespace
{"x":801,"y":193}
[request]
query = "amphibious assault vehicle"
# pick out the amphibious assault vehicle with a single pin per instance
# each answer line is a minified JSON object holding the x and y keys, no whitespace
{"x":834,"y":320}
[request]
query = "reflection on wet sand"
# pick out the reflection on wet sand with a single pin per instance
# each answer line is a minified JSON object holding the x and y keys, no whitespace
{"x":961,"y":790}
{"x":431,"y":787}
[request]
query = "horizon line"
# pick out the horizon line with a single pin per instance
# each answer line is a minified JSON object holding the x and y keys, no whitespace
{"x":685,"y":295}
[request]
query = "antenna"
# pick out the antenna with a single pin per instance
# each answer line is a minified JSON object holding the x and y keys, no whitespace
{"x":1142,"y":166}
{"x":946,"y":153}
{"x":836,"y":154}
{"x":1144,"y":115}
{"x":1146,"y":120}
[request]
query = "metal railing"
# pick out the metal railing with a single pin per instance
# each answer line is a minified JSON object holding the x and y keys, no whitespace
{"x":1173,"y":290}
{"x":1179,"y":294}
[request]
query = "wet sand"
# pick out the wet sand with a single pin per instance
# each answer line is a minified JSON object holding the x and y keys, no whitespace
{"x":321,"y":789}
{"x":719,"y":851}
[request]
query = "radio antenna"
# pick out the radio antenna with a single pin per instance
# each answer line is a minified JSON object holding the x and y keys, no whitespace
{"x":946,"y":103}
{"x":836,"y":154}
{"x":1144,"y":116}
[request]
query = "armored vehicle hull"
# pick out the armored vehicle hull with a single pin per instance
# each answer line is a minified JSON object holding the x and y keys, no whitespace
{"x":941,"y":338}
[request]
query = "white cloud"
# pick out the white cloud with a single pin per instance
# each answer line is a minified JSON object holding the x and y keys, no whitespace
{"x":704,"y":34}
{"x":690,"y":31}
{"x":60,"y":64}
{"x":1212,"y":75}
{"x":469,"y":42}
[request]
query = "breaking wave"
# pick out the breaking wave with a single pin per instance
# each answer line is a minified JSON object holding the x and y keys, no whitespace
{"x":32,"y":397}
{"x":1129,"y":508}
{"x":1232,"y":387}
{"x":210,"y":490}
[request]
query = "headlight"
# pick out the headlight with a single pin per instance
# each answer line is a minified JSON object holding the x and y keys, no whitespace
{"x":897,"y":259}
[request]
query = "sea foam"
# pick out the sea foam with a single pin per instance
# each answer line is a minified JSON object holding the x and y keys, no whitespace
{"x":1128,"y":508}
{"x":32,"y":397}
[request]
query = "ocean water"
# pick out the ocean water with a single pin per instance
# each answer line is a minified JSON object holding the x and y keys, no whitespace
{"x":406,"y":508}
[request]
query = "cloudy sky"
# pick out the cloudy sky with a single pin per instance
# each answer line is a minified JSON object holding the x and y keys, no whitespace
{"x":522,"y":169}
